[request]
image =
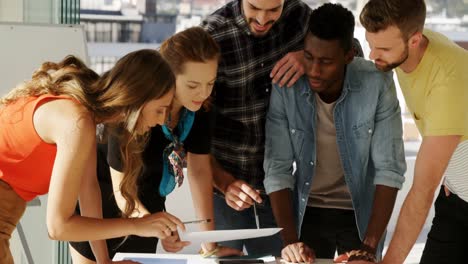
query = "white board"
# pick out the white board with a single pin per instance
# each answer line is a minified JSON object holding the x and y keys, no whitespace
{"x":24,"y":47}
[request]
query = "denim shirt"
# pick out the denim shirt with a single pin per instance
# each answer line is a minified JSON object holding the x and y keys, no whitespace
{"x":368,"y":133}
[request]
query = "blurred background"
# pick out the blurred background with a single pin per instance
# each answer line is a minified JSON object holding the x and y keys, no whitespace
{"x":113,"y":28}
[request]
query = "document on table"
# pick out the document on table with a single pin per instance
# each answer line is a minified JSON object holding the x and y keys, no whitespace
{"x":149,"y":260}
{"x":145,"y":258}
{"x":226,"y":235}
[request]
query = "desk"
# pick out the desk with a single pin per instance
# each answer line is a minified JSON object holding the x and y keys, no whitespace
{"x":191,"y":259}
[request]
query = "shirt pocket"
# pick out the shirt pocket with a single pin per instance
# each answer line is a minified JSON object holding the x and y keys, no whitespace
{"x":364,"y":130}
{"x":297,"y":140}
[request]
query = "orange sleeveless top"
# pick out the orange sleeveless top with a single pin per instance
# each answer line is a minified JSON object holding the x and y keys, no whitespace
{"x":26,"y":161}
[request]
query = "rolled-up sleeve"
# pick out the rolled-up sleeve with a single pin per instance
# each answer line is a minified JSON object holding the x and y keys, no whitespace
{"x":278,"y":149}
{"x":387,"y":148}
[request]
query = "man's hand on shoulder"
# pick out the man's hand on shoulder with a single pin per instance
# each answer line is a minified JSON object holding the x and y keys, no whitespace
{"x":289,"y":69}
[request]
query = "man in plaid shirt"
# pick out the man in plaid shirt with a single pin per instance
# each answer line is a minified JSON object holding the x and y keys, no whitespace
{"x":261,"y":42}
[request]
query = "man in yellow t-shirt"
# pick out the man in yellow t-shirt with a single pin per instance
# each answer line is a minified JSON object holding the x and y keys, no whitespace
{"x":432,"y":73}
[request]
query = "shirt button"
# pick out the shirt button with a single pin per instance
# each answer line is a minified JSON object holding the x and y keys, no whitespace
{"x":312,"y":163}
{"x":303,"y":199}
{"x":307,"y":183}
{"x":261,"y":64}
{"x":293,"y":131}
{"x":370,"y":131}
{"x":267,"y":90}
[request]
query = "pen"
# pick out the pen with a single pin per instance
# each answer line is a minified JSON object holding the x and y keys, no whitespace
{"x":256,"y":215}
{"x":201,"y":221}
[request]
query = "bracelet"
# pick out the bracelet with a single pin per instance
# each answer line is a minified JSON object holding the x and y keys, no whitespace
{"x":361,"y":255}
{"x":210,"y":253}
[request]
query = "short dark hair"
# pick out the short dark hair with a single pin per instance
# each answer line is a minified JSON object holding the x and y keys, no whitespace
{"x":333,"y":22}
{"x":407,"y":15}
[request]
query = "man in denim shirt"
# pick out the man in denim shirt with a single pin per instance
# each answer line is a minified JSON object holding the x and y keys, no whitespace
{"x":341,"y":126}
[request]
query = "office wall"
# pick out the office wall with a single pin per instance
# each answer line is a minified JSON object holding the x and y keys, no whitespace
{"x":32,"y":11}
{"x":11,"y":10}
{"x":26,"y":46}
{"x":41,"y":11}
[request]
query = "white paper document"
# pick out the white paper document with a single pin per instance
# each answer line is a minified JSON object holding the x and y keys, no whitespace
{"x":152,"y":260}
{"x":189,"y":259}
{"x":226,"y":235}
{"x":175,"y":258}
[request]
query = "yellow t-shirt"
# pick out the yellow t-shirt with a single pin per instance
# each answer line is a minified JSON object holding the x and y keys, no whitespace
{"x":436,"y":92}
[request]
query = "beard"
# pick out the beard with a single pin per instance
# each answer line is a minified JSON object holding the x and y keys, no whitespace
{"x":388,"y":66}
{"x":256,"y":33}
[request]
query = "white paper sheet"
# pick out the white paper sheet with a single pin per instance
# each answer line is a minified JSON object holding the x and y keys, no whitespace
{"x":152,"y":260}
{"x":226,"y":235}
{"x":174,"y":258}
{"x":189,"y":259}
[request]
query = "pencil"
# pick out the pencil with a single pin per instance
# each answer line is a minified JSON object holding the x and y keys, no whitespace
{"x":201,"y":221}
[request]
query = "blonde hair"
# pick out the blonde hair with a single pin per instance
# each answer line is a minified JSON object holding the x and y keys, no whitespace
{"x":136,"y":78}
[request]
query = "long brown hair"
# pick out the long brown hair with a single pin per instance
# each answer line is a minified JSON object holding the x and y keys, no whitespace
{"x":136,"y":78}
{"x":190,"y":45}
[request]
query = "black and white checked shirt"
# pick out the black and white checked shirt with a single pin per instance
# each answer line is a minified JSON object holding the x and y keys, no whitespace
{"x":242,"y":89}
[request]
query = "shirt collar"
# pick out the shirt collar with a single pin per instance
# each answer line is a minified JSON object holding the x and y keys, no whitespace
{"x":351,"y":82}
{"x":239,"y":17}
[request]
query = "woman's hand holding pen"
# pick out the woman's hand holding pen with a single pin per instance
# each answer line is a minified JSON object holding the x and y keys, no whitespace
{"x":159,"y":225}
{"x":173,"y":244}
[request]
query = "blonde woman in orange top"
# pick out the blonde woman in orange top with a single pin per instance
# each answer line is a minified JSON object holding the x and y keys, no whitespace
{"x":48,"y":145}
